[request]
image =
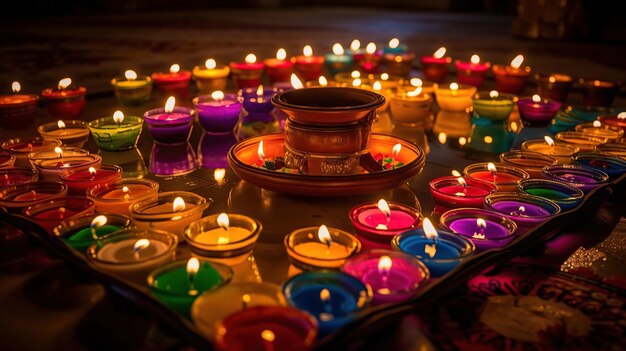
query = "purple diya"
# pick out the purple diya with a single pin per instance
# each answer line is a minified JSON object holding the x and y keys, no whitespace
{"x":218,"y":113}
{"x":584,"y":178}
{"x":486,"y":229}
{"x":525,"y":210}
{"x":170,"y":124}
{"x":536,"y":111}
{"x":394,"y":276}
{"x":258,"y":100}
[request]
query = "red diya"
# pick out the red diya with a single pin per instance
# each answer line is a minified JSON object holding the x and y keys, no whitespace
{"x":48,"y":214}
{"x":381,"y":221}
{"x":307,"y":66}
{"x":17,"y":175}
{"x":473,"y":72}
{"x":618,"y":120}
{"x":435,"y":67}
{"x":80,"y":180}
{"x":22,"y":147}
{"x":247,"y":74}
{"x":368,"y":61}
{"x":512,"y":78}
{"x":278,"y":69}
{"x":504,"y":177}
{"x":64,"y":101}
{"x":17,"y":111}
{"x":455,"y":192}
{"x":173,"y":82}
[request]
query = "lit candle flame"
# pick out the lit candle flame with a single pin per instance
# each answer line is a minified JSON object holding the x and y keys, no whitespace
{"x":521,"y":210}
{"x":245,"y":299}
{"x":296,"y":83}
{"x":259,"y":91}
{"x":384,"y":265}
{"x":356,"y":82}
{"x":481,"y":223}
{"x":454,"y":86}
{"x":355,"y":45}
{"x":621,"y":115}
{"x":439,"y":53}
{"x":260,"y":151}
{"x":64,"y":83}
{"x":536,"y":98}
{"x":442,"y":137}
{"x":210,"y":64}
{"x":338,"y":49}
{"x":92,"y":171}
{"x":169,"y":104}
{"x":250,"y":59}
{"x":395,"y":150}
{"x":384,"y":76}
{"x":178,"y":204}
{"x":126,"y":192}
{"x":193,"y":265}
{"x":462,"y":182}
{"x":130,"y":75}
{"x":377,"y":86}
{"x":61,"y":124}
{"x":223,"y":221}
{"x":597,"y":124}
{"x":141,"y":244}
{"x":394,"y":43}
{"x":219,"y":174}
{"x":383,"y":206}
{"x":492,"y":168}
{"x":493,"y":94}
{"x":118,"y":117}
{"x":475,"y":59}
{"x":517,"y":61}
{"x":355,"y":74}
{"x":455,"y":173}
{"x":462,"y":141}
{"x":281,"y":54}
{"x":307,"y":51}
{"x":415,"y":92}
{"x":416,"y":82}
{"x":268,"y":335}
{"x":322,"y":80}
{"x":175,"y":68}
{"x":16,"y":87}
{"x":59,"y":151}
{"x":324,"y":295}
{"x":370,"y":48}
{"x":548,"y":140}
{"x":217,"y":95}
{"x":488,"y":139}
{"x":324,"y":235}
{"x":431,"y":233}
{"x":551,"y":79}
{"x":98,"y":222}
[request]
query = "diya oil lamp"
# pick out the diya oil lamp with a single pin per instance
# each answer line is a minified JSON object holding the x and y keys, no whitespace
{"x":472,"y":72}
{"x":613,"y":149}
{"x":210,"y":77}
{"x":490,"y":132}
{"x":78,"y":181}
{"x":561,"y":193}
{"x":618,"y":120}
{"x":554,"y":86}
{"x":17,"y":111}
{"x":49,"y":213}
{"x":525,"y":210}
{"x":613,"y":166}
{"x":338,"y":61}
{"x":486,"y":229}
{"x":455,"y":104}
{"x":257,"y":116}
{"x":396,"y":60}
{"x":173,"y":82}
{"x":584,"y":142}
{"x":116,"y":133}
{"x":15,"y":198}
{"x":560,"y":151}
{"x":80,"y":232}
{"x":536,"y":114}
{"x":218,"y":113}
{"x":599,"y":130}
{"x":368,"y":61}
{"x":17,"y":176}
{"x":582,"y":177}
{"x":529,"y":161}
{"x":456,"y":191}
{"x":64,"y":101}
{"x":132,"y":89}
{"x":440,"y":251}
{"x":504,"y":177}
{"x":170,"y":124}
{"x":279,"y":69}
{"x":381,"y":221}
{"x":247,"y":74}
{"x":69,"y":132}
{"x":436,"y":67}
{"x":598,"y":92}
{"x":320,"y":247}
{"x":308,"y":66}
{"x":512,"y":78}
{"x":52,"y":168}
{"x":116,"y":197}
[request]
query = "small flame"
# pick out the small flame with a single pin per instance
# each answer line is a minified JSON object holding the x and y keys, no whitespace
{"x":178,"y":204}
{"x":217,"y":95}
{"x":377,"y":86}
{"x":493,"y":94}
{"x":492,"y":168}
{"x":141,"y":244}
{"x":219,"y":174}
{"x":98,"y":222}
{"x":383,"y":206}
{"x":355,"y":45}
{"x":429,"y":229}
{"x":454,"y":86}
{"x":245,"y":299}
{"x":415,"y":92}
{"x":475,"y":59}
{"x":64,"y":83}
{"x":621,"y":115}
{"x":552,"y":79}
{"x":548,"y":140}
{"x":175,"y":68}
{"x":394,"y":43}
{"x":442,"y":137}
{"x":268,"y":335}
{"x":296,"y":83}
{"x":481,"y":223}
{"x":130,"y":75}
{"x":118,"y":117}
{"x":223,"y":221}
{"x":439,"y":53}
{"x":522,"y":209}
{"x":455,"y":173}
{"x":281,"y":54}
{"x":462,"y":141}
{"x":59,"y":151}
{"x":324,"y":295}
{"x":260,"y":151}
{"x":126,"y":192}
{"x":416,"y":82}
{"x":355,"y":74}
{"x":259,"y":91}
{"x":322,"y":80}
{"x":16,"y":87}
{"x":250,"y":59}
{"x":488,"y":139}
{"x":597,"y":124}
{"x":193,"y":265}
{"x":61,"y":124}
{"x":307,"y":51}
{"x":92,"y":171}
{"x":536,"y":98}
{"x":338,"y":49}
{"x":356,"y":82}
{"x":514,"y":126}
{"x":169,"y":104}
{"x":370,"y":48}
{"x":396,"y":150}
{"x":210,"y":64}
{"x":324,"y":235}
{"x":384,"y":76}
{"x":462,"y":181}
{"x":384,"y":264}
{"x":517,"y":61}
